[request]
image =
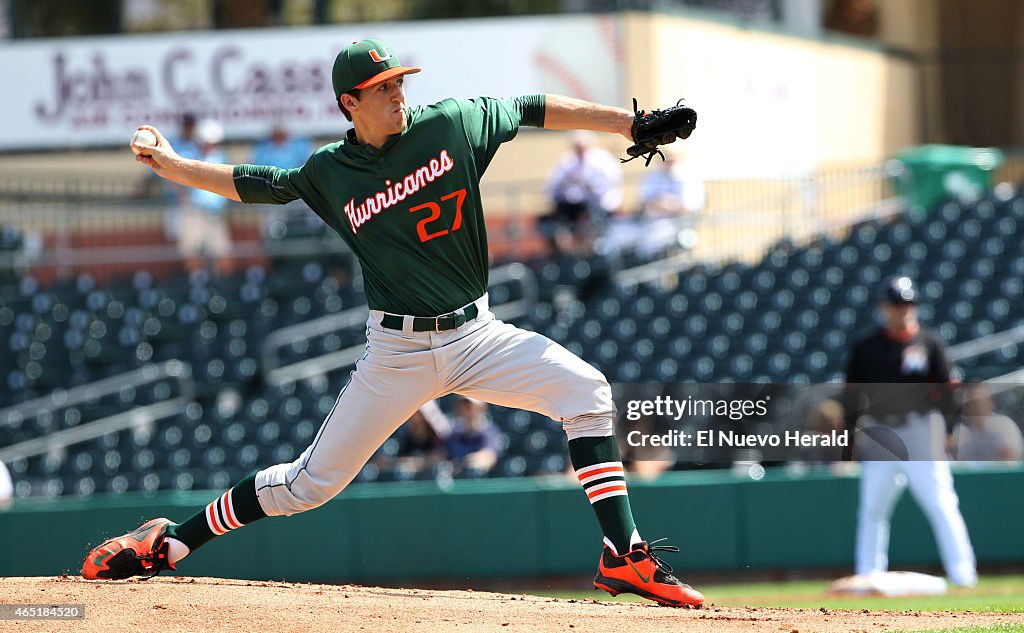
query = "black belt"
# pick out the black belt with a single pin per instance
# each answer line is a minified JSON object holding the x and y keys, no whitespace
{"x":442,"y":323}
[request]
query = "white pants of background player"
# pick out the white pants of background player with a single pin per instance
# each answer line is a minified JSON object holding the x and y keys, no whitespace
{"x":928,"y":475}
{"x":485,"y":359}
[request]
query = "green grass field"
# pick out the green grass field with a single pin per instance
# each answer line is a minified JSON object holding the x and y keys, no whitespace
{"x":1004,"y":628}
{"x":999,"y":628}
{"x":999,"y":594}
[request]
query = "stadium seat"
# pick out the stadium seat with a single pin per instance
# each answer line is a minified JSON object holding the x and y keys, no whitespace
{"x":788,"y":317}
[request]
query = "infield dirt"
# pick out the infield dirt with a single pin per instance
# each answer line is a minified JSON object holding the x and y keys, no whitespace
{"x":213,"y":604}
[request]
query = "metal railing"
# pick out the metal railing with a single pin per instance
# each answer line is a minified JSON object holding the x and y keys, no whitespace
{"x":32,"y":187}
{"x":356,"y":317}
{"x":60,"y":440}
{"x":986,"y":344}
{"x":527,"y":282}
{"x":68,"y":230}
{"x":116,"y":237}
{"x":1006,"y":382}
{"x":798,"y":210}
{"x":132,"y":418}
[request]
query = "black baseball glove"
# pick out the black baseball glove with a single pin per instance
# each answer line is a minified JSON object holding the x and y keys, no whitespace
{"x":659,"y":127}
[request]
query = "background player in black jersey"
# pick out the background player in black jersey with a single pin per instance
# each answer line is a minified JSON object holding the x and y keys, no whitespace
{"x":894,"y":394}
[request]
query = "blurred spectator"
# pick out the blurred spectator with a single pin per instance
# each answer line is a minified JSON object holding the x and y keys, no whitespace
{"x":6,"y":487}
{"x":673,"y":188}
{"x":984,"y":435}
{"x":11,"y":243}
{"x":474,"y":444}
{"x":585,"y":187}
{"x":647,"y":462}
{"x":856,"y":17}
{"x":204,"y":230}
{"x":670,"y":198}
{"x":281,"y":149}
{"x":823,"y":418}
{"x":176,"y":196}
{"x":421,"y":440}
{"x":19,"y":249}
{"x":10,"y":238}
{"x":185,"y":143}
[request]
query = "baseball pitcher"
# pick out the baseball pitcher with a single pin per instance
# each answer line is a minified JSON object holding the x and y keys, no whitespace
{"x":402,"y":189}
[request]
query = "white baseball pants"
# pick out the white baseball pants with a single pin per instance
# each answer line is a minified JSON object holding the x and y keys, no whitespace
{"x":931,"y":483}
{"x":485,"y":359}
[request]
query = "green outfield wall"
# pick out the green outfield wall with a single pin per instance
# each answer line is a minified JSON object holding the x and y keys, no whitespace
{"x":523,"y":527}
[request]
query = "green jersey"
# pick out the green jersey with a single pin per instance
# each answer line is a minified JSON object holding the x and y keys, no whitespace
{"x":410,"y":211}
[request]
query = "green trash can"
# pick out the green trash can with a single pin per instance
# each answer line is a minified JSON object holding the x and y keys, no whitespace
{"x":930,"y":174}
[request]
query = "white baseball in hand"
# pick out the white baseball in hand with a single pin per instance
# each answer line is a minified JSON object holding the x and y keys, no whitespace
{"x":141,"y":140}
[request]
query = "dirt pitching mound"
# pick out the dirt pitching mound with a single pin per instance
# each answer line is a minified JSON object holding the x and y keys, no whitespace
{"x":212,"y":604}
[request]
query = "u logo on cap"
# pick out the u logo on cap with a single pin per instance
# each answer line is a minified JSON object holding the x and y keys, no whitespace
{"x":375,"y":56}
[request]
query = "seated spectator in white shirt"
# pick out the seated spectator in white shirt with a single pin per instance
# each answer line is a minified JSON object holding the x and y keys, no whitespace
{"x":6,"y":488}
{"x":671,"y":196}
{"x":585,"y":188}
{"x":984,"y":435}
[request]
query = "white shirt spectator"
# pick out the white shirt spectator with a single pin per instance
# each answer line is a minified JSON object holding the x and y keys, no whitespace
{"x":588,"y":175}
{"x":992,"y":438}
{"x":672,"y":188}
{"x":6,"y":487}
{"x":670,"y":196}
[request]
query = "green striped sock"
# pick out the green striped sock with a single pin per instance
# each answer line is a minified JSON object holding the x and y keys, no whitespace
{"x":599,"y":469}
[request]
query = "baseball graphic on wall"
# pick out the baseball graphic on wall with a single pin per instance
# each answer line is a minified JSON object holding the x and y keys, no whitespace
{"x":586,"y":64}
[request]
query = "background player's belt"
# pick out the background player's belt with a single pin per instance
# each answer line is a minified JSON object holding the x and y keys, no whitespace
{"x":449,"y":321}
{"x":897,"y":419}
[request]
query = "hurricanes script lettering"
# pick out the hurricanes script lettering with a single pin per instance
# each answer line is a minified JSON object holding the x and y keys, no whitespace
{"x":397,"y":191}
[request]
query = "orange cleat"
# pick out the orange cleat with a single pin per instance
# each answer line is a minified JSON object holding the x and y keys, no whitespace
{"x":142,"y":552}
{"x":643,"y":573}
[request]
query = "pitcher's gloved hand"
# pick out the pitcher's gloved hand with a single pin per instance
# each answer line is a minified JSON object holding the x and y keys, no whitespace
{"x":659,"y":127}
